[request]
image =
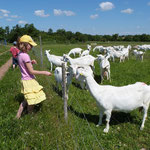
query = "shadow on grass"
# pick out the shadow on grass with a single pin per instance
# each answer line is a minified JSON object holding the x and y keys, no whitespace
{"x":116,"y":118}
{"x":77,"y":85}
{"x":57,"y":90}
{"x":88,"y":117}
{"x":97,"y":78}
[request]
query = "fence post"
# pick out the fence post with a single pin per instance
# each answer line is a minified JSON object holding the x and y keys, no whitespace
{"x":64,"y":93}
{"x":41,"y":51}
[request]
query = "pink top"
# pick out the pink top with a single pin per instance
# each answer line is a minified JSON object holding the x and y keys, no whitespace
{"x":23,"y":58}
{"x":14,"y":51}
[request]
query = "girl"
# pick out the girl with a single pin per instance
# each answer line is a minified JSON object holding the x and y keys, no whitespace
{"x":32,"y":91}
{"x":15,"y":51}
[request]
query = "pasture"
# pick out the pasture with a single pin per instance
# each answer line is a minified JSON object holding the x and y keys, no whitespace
{"x":46,"y":128}
{"x":4,"y":55}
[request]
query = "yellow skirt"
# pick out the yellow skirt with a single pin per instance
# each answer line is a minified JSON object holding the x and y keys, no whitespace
{"x":32,"y":91}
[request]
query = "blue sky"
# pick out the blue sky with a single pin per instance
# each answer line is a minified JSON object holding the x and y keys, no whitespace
{"x":86,"y":16}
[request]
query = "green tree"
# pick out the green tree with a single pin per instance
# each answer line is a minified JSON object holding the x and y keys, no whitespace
{"x":16,"y":32}
{"x":50,"y":31}
{"x":31,"y":30}
{"x":115,"y":37}
{"x":2,"y":33}
{"x":107,"y":38}
{"x":144,"y":37}
{"x":128,"y":38}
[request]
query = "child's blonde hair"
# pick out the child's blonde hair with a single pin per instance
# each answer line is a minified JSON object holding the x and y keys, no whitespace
{"x":22,"y":46}
{"x":22,"y":42}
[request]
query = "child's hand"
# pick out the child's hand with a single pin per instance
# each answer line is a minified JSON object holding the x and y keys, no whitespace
{"x":33,"y":62}
{"x":48,"y":73}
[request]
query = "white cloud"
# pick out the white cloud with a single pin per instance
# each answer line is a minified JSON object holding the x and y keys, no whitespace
{"x":127,"y":11}
{"x":105,"y":6}
{"x":59,"y":12}
{"x":94,"y":16}
{"x":40,"y":13}
{"x":14,"y":16}
{"x":69,"y":13}
{"x":4,"y":11}
{"x":5,"y":15}
{"x":22,"y":22}
{"x":9,"y":19}
{"x":148,"y":3}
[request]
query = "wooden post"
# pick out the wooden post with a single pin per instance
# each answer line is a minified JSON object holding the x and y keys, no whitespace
{"x":41,"y":51}
{"x":64,"y":91}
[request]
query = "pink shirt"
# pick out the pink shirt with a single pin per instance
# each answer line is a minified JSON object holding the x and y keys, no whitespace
{"x":14,"y":50}
{"x":23,"y":58}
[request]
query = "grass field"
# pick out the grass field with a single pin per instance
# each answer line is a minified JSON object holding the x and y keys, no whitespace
{"x":4,"y":54}
{"x":46,"y":128}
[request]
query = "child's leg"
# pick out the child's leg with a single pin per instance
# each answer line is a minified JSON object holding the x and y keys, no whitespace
{"x":30,"y":108}
{"x":13,"y":63}
{"x":13,"y":66}
{"x":21,"y":108}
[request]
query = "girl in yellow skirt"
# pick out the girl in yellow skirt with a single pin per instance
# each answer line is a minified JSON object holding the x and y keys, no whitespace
{"x":31,"y":89}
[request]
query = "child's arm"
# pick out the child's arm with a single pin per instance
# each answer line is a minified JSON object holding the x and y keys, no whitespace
{"x":36,"y":72}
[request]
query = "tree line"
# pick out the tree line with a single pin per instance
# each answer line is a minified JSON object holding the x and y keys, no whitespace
{"x":63,"y":36}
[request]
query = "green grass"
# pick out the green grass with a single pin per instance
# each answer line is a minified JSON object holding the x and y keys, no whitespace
{"x":4,"y":48}
{"x":46,"y":127}
{"x":6,"y":54}
{"x":4,"y":58}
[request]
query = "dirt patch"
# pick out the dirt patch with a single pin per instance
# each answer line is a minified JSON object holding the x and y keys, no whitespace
{"x":4,"y":68}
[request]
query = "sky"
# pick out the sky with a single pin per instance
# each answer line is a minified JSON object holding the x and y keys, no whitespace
{"x":95,"y":17}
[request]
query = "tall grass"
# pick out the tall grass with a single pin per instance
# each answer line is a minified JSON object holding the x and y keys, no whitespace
{"x":4,"y":54}
{"x":4,"y":48}
{"x":46,"y":127}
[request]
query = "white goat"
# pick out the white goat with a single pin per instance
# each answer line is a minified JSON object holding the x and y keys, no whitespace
{"x":85,"y":52}
{"x":75,"y":71}
{"x":85,"y":60}
{"x":138,"y":54}
{"x":124,"y":98}
{"x":115,"y":54}
{"x":75,"y":51}
{"x":104,"y":66}
{"x":120,"y":55}
{"x":125,"y":51}
{"x":58,"y":78}
{"x":144,"y":47}
{"x":99,"y":48}
{"x":53,"y":59}
{"x":89,"y":47}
